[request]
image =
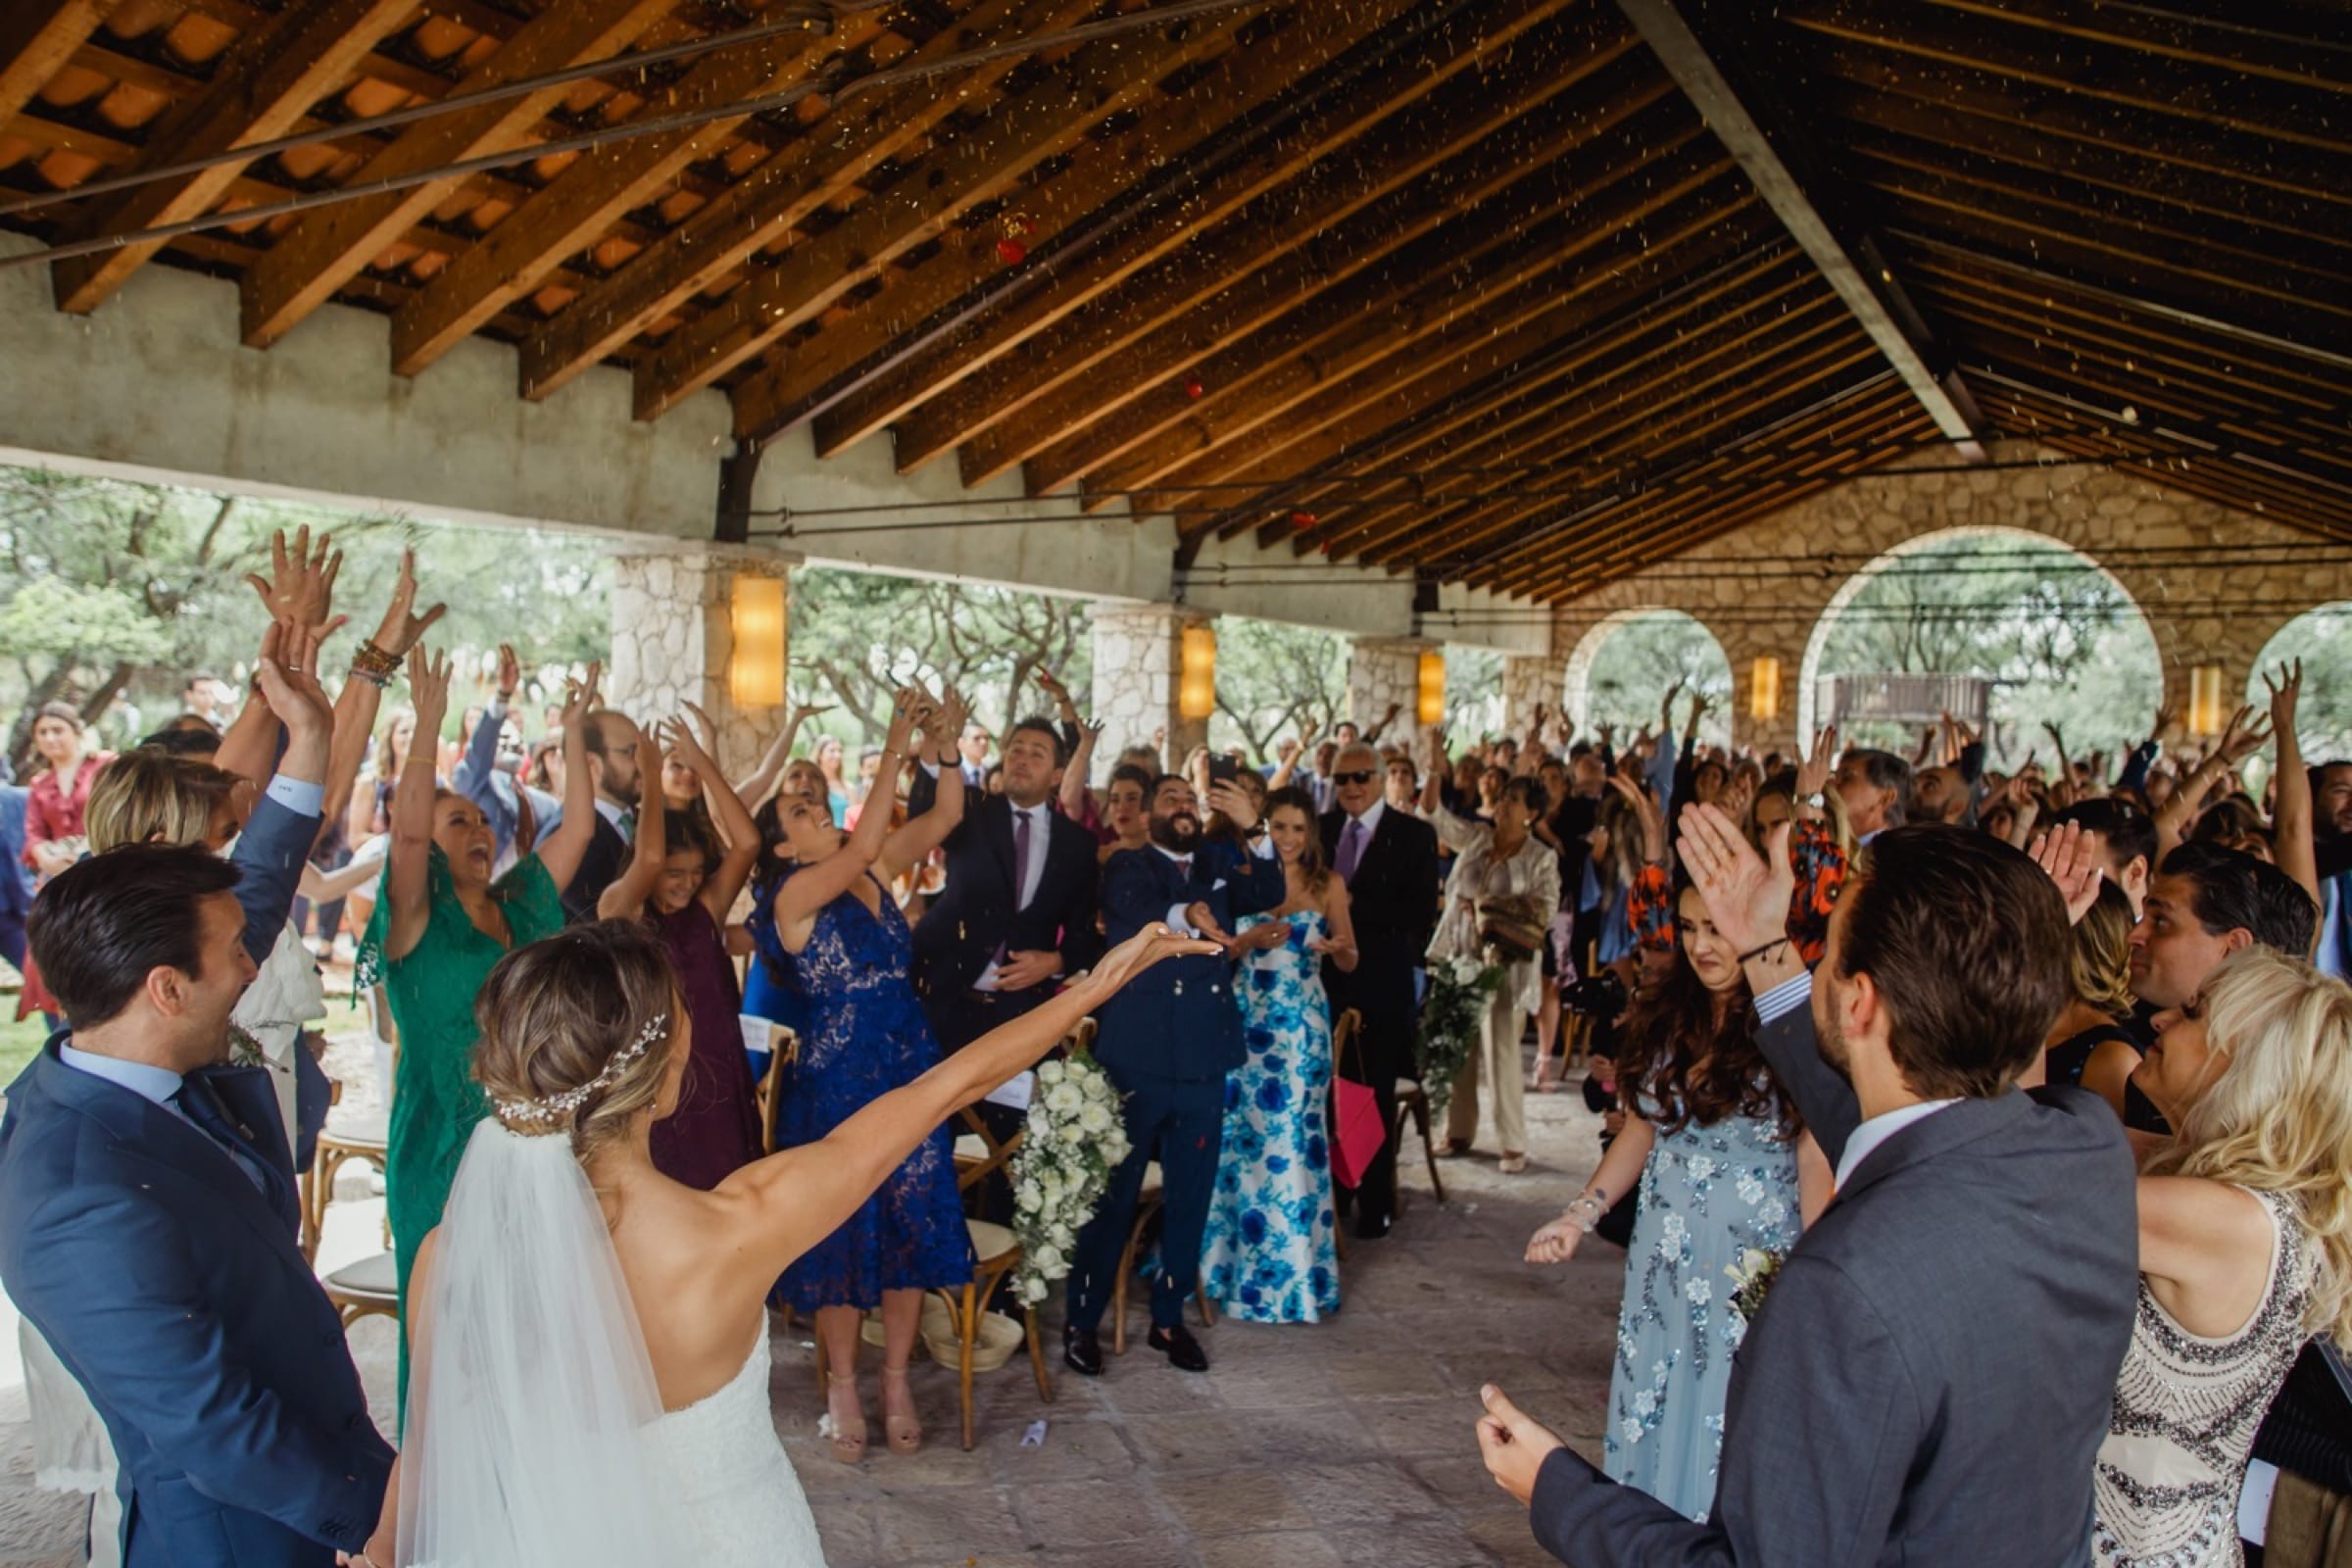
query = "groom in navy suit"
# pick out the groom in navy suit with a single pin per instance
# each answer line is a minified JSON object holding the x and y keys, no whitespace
{"x":1167,"y":1042}
{"x":148,"y":1228}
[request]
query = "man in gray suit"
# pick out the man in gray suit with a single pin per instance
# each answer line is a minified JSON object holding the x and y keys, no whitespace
{"x":1935,"y":1365}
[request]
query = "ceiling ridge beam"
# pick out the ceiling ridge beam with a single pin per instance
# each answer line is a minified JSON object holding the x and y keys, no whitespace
{"x":1704,"y":81}
{"x":264,"y":89}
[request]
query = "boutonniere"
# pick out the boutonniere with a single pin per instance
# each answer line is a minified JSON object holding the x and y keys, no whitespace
{"x":1751,"y":1278}
{"x":244,"y":1051}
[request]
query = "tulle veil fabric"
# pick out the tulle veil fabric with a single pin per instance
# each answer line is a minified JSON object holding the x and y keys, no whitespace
{"x":529,"y":1402}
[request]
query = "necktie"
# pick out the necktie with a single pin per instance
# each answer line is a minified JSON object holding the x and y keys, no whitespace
{"x":628,"y":825}
{"x":1351,"y":849}
{"x":1184,"y":869}
{"x":1020,"y":860}
{"x":205,"y":1110}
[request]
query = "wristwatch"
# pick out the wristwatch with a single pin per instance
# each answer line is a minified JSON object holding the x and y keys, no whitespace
{"x":1817,"y":801}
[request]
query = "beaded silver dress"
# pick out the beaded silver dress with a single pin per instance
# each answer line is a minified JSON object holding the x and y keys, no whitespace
{"x":2165,"y":1490}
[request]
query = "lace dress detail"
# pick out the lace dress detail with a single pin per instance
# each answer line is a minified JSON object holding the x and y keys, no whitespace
{"x":867,"y":1036}
{"x":720,"y":1459}
{"x":2165,"y":1490}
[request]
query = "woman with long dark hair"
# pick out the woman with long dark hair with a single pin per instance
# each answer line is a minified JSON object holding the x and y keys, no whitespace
{"x":1271,"y":1254}
{"x":1725,"y":1171}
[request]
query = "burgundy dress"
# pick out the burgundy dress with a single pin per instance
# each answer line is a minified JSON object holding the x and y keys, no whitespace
{"x":716,"y":1129}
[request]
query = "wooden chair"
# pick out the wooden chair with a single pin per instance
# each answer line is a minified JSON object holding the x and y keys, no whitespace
{"x":783,"y":1048}
{"x":1147,"y":1203}
{"x":1412,"y":1102}
{"x":371,"y":1285}
{"x":362,"y":1138}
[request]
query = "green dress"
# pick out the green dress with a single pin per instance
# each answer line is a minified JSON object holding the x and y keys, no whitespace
{"x":435,"y":1099}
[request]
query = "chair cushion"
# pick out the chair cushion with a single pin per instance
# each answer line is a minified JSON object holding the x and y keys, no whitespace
{"x":991,"y":1241}
{"x":971,"y":1149}
{"x":1410,"y":1089}
{"x":357,"y":1132}
{"x":370,"y":1276}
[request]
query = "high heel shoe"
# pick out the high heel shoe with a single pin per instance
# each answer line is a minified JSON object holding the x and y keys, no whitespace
{"x":848,"y":1441}
{"x":904,"y":1432}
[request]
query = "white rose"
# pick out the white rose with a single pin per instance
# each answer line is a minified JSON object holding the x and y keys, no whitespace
{"x":1064,"y":1098}
{"x":1115,"y":1147}
{"x":1030,"y":1196}
{"x":1048,"y":1259}
{"x":1050,"y":1181}
{"x":1062,"y":1235}
{"x":1094,"y":1119}
{"x":1033,"y":1290}
{"x":1050,"y":1073}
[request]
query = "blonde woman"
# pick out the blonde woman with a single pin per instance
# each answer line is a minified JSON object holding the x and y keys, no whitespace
{"x":2245,"y":1248}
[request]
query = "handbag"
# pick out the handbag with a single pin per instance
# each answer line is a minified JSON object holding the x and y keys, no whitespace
{"x":1358,"y":1129}
{"x":1509,"y":924}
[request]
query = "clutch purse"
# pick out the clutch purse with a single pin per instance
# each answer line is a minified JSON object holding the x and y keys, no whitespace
{"x":1509,"y":926}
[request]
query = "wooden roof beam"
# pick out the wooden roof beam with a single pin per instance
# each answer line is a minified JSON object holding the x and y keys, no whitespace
{"x":320,"y":250}
{"x":1897,"y":330}
{"x":583,"y":200}
{"x":36,"y":39}
{"x":1393,"y":54}
{"x":1104,"y":78}
{"x":1382,"y":178}
{"x":855,"y":363}
{"x":774,"y":197}
{"x":267,"y":86}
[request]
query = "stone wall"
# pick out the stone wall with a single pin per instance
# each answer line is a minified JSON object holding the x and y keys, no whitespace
{"x":1529,"y":683}
{"x":1138,"y":659}
{"x":1779,"y":611}
{"x":1382,"y":671}
{"x":674,"y":641}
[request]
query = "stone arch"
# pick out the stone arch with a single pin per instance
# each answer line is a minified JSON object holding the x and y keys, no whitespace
{"x":1577,"y":698}
{"x":1809,"y":671}
{"x":2321,"y":638}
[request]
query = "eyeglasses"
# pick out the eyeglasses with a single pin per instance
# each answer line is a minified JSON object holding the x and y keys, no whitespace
{"x":1361,"y":775}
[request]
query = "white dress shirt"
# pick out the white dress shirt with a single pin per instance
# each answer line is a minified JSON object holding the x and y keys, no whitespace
{"x":1875,"y":1131}
{"x":1262,"y":847}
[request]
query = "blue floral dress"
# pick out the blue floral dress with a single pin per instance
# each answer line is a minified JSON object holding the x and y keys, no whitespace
{"x":865,"y":1036}
{"x":1708,"y":1195}
{"x":1270,"y":1254}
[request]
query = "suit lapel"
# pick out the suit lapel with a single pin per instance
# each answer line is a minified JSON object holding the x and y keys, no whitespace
{"x":996,"y":826}
{"x":1937,"y":1134}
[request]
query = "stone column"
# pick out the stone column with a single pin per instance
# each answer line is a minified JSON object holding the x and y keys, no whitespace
{"x":673,"y":639}
{"x":1786,"y":643}
{"x":1529,"y":680}
{"x":1385,"y":672}
{"x":1138,"y":653}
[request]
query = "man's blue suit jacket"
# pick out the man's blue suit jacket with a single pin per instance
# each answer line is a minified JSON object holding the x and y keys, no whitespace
{"x":1179,"y":1021}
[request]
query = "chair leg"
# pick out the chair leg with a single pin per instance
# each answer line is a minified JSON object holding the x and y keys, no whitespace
{"x":1428,"y":1149}
{"x":1208,"y":1310}
{"x":1118,"y":1289}
{"x":968,"y":1335}
{"x":1037,"y":1353}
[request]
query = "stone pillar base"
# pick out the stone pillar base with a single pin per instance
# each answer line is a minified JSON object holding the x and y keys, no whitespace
{"x":673,"y":639}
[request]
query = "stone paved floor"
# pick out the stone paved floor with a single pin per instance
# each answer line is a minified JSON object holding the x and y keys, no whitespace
{"x":1344,"y":1442}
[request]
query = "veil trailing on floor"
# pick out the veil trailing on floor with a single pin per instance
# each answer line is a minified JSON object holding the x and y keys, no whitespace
{"x":526,"y":1444}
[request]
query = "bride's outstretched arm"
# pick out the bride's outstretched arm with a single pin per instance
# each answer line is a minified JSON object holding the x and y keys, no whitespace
{"x":804,"y":1193}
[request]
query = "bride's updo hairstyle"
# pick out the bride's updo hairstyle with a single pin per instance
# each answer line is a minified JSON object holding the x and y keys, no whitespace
{"x":575,"y":1032}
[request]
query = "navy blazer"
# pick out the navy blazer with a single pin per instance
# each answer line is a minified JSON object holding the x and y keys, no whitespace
{"x":977,"y":909}
{"x":174,"y":1291}
{"x":1179,"y":1021}
{"x":270,"y":854}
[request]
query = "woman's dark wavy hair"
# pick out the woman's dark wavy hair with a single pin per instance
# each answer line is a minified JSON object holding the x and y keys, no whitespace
{"x":1691,"y":1068}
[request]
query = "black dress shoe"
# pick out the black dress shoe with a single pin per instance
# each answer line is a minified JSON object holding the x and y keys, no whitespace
{"x":1082,"y":1351}
{"x":1182,"y":1352}
{"x":1372,"y":1227}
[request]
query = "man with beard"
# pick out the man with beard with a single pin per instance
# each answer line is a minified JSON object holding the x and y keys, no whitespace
{"x":1168,"y":1043}
{"x":614,"y":762}
{"x":1389,"y":859}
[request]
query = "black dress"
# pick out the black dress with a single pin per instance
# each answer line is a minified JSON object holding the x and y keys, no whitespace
{"x":2065,"y":1060}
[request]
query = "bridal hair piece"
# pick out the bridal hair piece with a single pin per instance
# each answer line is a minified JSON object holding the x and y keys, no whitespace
{"x":559,"y":1107}
{"x":572,"y":1033}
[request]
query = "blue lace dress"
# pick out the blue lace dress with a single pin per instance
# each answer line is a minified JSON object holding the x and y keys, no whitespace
{"x":1708,"y":1193}
{"x":1270,"y":1254}
{"x":865,"y":1036}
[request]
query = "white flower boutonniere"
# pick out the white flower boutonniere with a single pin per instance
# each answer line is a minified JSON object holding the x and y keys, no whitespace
{"x":1752,"y":1277}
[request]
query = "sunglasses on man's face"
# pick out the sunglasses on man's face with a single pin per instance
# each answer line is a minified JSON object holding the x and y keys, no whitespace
{"x":1361,"y":775}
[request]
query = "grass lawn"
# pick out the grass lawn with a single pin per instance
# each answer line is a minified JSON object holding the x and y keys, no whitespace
{"x":17,"y":1040}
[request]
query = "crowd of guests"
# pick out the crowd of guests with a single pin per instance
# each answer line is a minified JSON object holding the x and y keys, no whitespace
{"x":1809,"y":987}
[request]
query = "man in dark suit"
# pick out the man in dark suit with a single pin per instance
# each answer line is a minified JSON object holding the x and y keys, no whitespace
{"x":615,"y":758}
{"x":1016,"y":918}
{"x":148,"y":1228}
{"x":1168,"y":1043}
{"x":1389,"y":859}
{"x":1934,"y":1367}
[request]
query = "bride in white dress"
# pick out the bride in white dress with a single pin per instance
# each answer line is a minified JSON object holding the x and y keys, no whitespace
{"x":589,"y":1338}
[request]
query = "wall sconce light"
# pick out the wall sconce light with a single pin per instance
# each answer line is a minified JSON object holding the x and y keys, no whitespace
{"x":756,"y":671}
{"x":1764,"y":688}
{"x":1429,"y":687}
{"x":2206,"y":711}
{"x":1197,"y":673}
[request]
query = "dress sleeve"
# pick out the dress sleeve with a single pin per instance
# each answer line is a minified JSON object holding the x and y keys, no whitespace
{"x":535,"y":907}
{"x":1649,"y":910}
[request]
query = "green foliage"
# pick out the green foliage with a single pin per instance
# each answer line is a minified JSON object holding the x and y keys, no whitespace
{"x":1275,"y":680}
{"x":1473,"y":695}
{"x":2323,"y":639}
{"x":1640,"y":658}
{"x":2060,"y":641}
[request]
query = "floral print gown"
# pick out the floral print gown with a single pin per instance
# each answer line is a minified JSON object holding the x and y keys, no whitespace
{"x":1271,"y":1256}
{"x":1708,"y":1195}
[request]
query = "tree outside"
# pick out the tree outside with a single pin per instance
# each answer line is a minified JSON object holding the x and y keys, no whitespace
{"x":1276,"y":681}
{"x":2321,"y":639}
{"x":1640,"y":657}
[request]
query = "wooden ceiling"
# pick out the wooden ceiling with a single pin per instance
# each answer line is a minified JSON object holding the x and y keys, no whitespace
{"x":1462,"y":288}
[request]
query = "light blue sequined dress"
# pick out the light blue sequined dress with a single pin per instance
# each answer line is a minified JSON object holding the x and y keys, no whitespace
{"x":1708,"y":1195}
{"x":1270,"y":1254}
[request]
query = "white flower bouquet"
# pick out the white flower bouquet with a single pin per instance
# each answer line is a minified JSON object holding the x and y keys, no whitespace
{"x":1072,"y":1141}
{"x":1460,"y":990}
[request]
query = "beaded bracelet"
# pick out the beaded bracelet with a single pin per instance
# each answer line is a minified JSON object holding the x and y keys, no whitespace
{"x":374,"y":662}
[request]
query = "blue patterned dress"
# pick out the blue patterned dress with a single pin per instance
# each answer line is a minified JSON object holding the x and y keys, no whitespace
{"x":1270,"y":1254}
{"x":1708,"y":1193}
{"x":867,"y":1036}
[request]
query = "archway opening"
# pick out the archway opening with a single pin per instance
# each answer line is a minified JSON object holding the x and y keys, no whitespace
{"x":2321,"y":638}
{"x":1622,"y":667}
{"x":2053,"y":637}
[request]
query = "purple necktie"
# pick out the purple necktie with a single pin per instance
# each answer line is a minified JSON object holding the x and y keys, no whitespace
{"x":1351,"y":849}
{"x":1020,"y":860}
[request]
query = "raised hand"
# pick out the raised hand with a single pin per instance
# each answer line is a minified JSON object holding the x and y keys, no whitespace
{"x":1141,"y":952}
{"x":705,"y":736}
{"x":428,"y":690}
{"x":907,"y":716}
{"x":1645,"y":812}
{"x":677,"y":739}
{"x":2241,"y":739}
{"x":1234,"y":803}
{"x":1288,"y":748}
{"x":579,"y":696}
{"x":301,"y":585}
{"x":399,"y":630}
{"x":1813,"y":776}
{"x":2071,"y":857}
{"x":2285,"y":691}
{"x":1203,"y":919}
{"x":1746,"y":893}
{"x":287,"y":676}
{"x":509,"y":674}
